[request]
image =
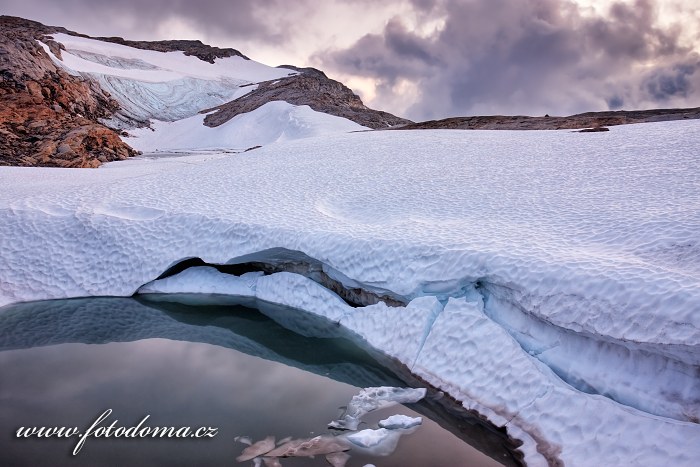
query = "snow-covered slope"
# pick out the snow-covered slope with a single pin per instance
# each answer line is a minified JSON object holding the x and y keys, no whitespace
{"x":274,"y":121}
{"x":169,"y":89}
{"x":553,"y":277}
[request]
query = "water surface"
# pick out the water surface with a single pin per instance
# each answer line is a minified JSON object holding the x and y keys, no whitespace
{"x":230,"y":367}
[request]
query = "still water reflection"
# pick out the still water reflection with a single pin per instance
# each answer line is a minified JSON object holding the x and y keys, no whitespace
{"x":64,"y":363}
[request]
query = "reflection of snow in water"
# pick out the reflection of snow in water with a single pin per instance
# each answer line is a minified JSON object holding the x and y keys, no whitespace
{"x":378,"y":442}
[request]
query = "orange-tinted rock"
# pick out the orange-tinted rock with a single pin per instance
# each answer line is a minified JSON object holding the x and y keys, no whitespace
{"x":48,"y":117}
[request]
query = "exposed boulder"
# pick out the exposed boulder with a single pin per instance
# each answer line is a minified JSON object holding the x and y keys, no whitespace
{"x":595,"y":129}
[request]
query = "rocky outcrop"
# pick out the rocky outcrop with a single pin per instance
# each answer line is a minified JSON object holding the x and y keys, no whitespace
{"x":310,"y":87}
{"x":572,"y":122}
{"x":597,"y":129}
{"x":48,"y":117}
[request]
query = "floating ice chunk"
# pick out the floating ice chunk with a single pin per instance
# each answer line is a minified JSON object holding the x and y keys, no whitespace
{"x":370,"y":399}
{"x":244,"y":440}
{"x":323,"y":444}
{"x":257,"y":449}
{"x":379,"y":442}
{"x":396,"y":422}
{"x":338,"y":459}
{"x":368,"y":438}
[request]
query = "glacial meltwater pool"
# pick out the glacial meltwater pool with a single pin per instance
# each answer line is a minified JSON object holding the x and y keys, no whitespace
{"x":231,"y":372}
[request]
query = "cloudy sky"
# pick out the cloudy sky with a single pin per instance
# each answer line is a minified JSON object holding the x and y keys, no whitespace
{"x":428,"y":59}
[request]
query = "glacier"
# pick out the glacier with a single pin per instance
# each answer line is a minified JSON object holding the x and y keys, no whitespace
{"x":550,"y":281}
{"x":162,"y":95}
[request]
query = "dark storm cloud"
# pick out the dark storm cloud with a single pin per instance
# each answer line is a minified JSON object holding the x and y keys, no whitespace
{"x":529,"y":56}
{"x":615,"y":102}
{"x":663,"y":84}
{"x":233,"y":19}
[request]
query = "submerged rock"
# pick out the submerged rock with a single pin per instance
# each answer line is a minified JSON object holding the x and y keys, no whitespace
{"x":257,"y":449}
{"x":324,"y":444}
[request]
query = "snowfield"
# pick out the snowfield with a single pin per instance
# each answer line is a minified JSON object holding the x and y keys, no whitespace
{"x":551,"y":279}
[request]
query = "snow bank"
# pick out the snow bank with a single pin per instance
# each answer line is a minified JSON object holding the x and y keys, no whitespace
{"x":595,"y":236}
{"x":274,"y":121}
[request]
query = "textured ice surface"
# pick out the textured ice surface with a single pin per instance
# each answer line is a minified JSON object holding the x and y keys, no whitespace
{"x":399,"y":331}
{"x":597,"y":237}
{"x":627,"y":372}
{"x":370,"y":399}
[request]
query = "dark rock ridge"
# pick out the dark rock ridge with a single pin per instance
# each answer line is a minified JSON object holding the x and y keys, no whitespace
{"x":572,"y":122}
{"x":48,"y":117}
{"x":310,"y":87}
{"x":196,"y":48}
